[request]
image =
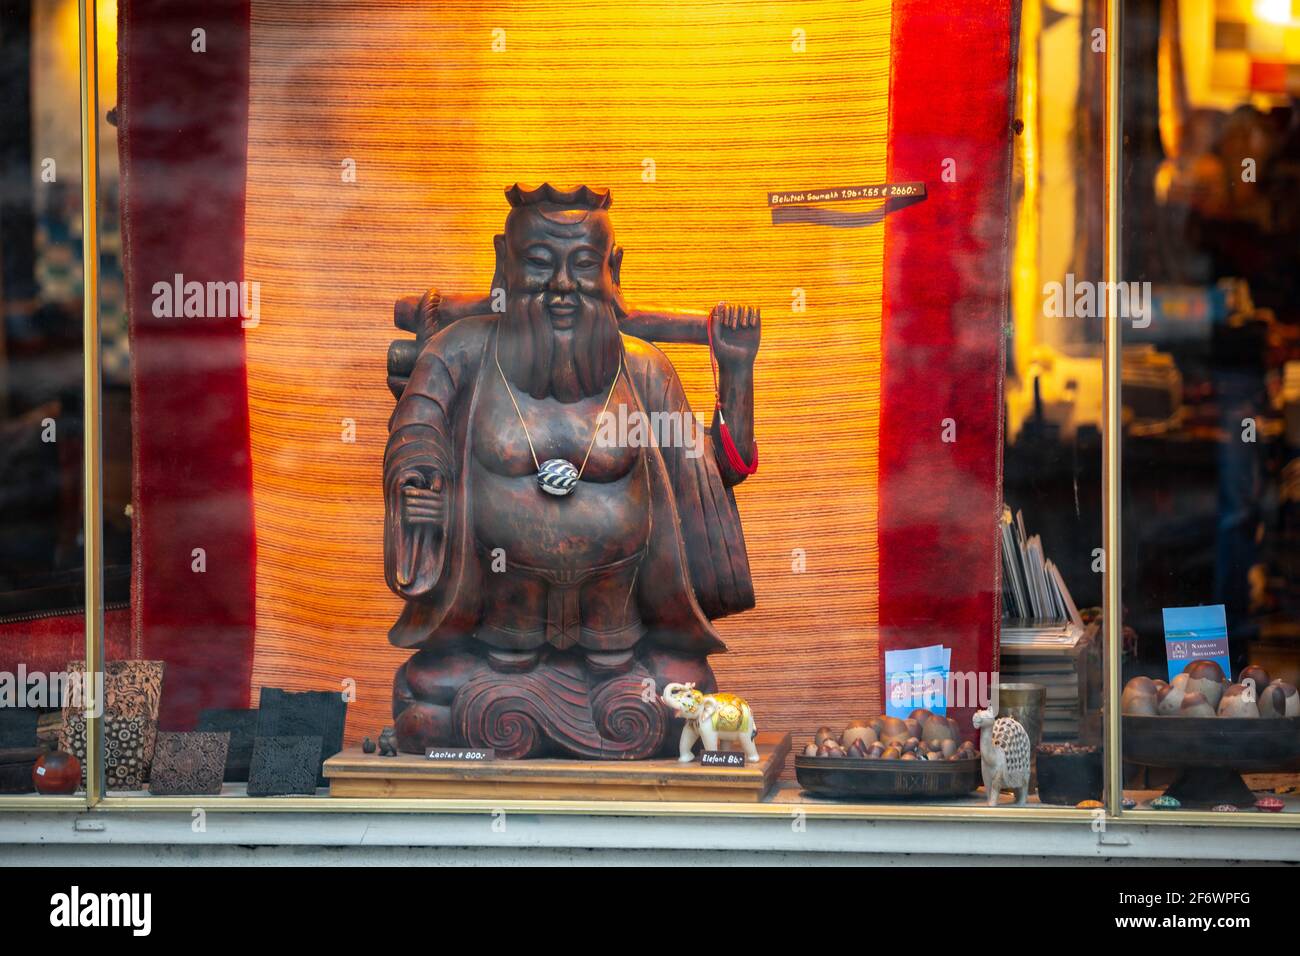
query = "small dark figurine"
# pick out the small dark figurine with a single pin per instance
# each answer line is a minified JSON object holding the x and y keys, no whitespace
{"x":388,"y":743}
{"x":367,"y":746}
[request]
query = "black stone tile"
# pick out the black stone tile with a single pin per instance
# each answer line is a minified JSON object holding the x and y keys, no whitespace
{"x":318,"y":713}
{"x":283,"y":766}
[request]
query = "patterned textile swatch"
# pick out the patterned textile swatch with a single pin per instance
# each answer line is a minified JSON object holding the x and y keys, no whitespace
{"x":189,"y":763}
{"x":284,"y":765}
{"x":132,"y":688}
{"x":131,"y":694}
{"x":128,"y":749}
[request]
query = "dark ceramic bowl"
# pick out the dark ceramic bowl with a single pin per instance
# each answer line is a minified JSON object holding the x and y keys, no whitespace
{"x":1211,"y":753}
{"x":1241,"y":743}
{"x":1069,"y":778}
{"x":875,"y":779}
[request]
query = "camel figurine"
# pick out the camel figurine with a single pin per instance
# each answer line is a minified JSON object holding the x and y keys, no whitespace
{"x":1004,"y":755}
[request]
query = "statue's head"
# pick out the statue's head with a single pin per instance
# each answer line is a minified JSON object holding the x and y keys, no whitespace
{"x":560,"y":270}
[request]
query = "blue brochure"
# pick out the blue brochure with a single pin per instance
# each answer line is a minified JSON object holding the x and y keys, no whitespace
{"x":1194,"y":634}
{"x":917,"y":677}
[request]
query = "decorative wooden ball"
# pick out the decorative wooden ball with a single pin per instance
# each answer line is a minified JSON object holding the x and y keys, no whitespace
{"x":1206,"y":677}
{"x":557,"y":477}
{"x":1204,"y":669}
{"x":1255,"y":673}
{"x":1279,"y":699}
{"x":1141,"y":685}
{"x":853,"y":734}
{"x":894,"y":733}
{"x":1170,"y":697}
{"x":1139,"y":698}
{"x":937,"y":728}
{"x":1239,"y":700}
{"x":1195,"y":704}
{"x":56,"y":773}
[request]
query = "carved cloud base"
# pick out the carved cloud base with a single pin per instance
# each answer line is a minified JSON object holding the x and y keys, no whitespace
{"x":561,"y":704}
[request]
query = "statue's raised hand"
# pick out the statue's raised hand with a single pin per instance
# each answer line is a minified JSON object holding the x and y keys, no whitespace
{"x":735,"y":330}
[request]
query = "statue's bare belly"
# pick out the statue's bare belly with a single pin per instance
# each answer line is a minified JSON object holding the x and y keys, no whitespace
{"x":557,"y":570}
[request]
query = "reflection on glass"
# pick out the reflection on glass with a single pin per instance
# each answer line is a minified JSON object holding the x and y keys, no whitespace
{"x":1211,"y":247}
{"x":317,"y":188}
{"x":41,"y":434}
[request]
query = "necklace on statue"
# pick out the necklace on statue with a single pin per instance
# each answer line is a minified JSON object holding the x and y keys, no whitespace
{"x":556,"y":476}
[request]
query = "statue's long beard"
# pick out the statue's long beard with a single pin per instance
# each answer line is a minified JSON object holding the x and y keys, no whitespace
{"x":541,"y":363}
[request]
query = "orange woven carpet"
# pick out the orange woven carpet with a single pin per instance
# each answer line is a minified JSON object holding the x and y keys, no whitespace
{"x":380,"y":141}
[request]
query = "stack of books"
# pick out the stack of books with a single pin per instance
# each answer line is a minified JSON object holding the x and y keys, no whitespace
{"x":1041,"y":630}
{"x":1032,"y":587}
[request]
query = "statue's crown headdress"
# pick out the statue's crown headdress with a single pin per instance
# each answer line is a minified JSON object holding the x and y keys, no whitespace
{"x":575,"y":197}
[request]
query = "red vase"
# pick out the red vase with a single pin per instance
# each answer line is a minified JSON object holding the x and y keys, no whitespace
{"x":57,"y":772}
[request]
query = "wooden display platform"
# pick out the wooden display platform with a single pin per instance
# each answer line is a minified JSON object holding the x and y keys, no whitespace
{"x":408,"y":776}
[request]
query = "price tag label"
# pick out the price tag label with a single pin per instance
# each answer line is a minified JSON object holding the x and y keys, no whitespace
{"x":809,"y":197}
{"x":460,"y":753}
{"x":722,"y":758}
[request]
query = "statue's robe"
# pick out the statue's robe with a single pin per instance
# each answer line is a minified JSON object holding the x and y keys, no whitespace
{"x":695,"y":567}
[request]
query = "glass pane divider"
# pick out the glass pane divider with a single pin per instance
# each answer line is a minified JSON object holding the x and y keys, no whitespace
{"x":92,"y":465}
{"x":1112,"y":604}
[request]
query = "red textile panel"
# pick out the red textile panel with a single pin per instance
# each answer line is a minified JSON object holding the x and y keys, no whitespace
{"x":182,"y":139}
{"x":47,"y":644}
{"x":946,"y":292}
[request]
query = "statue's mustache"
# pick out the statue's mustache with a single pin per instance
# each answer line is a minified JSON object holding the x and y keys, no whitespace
{"x":542,"y":295}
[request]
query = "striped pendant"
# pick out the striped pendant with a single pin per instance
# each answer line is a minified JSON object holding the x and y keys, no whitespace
{"x":557,"y":477}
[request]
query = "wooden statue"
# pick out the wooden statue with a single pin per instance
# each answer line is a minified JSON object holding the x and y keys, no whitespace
{"x":557,"y":565}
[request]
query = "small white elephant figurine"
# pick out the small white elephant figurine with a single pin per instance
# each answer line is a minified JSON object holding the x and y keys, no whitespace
{"x":1004,"y":756}
{"x":711,"y":717}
